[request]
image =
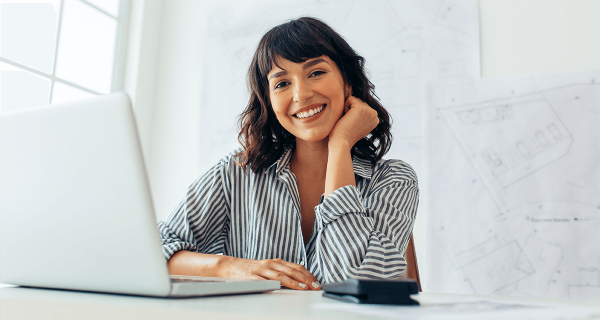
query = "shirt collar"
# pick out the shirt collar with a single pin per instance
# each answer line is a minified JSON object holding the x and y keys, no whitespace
{"x":283,"y":160}
{"x":361,"y":167}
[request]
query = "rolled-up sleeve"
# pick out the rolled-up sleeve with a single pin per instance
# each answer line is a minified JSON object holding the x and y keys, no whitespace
{"x":198,"y":222}
{"x":365,"y":236}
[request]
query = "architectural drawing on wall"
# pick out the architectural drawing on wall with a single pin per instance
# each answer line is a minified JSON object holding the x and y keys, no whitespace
{"x":522,"y":178}
{"x":507,"y":140}
{"x":492,"y":266}
{"x":545,"y":258}
{"x":499,"y":268}
{"x":405,"y":43}
{"x":588,"y":284}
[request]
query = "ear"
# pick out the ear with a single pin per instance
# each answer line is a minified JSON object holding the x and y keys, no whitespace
{"x":347,"y":91}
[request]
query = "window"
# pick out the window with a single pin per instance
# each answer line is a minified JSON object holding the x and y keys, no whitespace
{"x":60,"y":50}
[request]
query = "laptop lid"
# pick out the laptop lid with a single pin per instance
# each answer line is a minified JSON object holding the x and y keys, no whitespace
{"x":75,"y":205}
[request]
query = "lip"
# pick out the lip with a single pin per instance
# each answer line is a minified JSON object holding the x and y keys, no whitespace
{"x":314,"y":117}
{"x":312,"y":106}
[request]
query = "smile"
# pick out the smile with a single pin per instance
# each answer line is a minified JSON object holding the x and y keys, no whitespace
{"x":309,"y":113}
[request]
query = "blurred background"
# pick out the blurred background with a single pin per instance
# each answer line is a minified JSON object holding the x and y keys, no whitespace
{"x":183,"y":63}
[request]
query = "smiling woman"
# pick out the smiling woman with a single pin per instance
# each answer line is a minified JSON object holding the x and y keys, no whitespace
{"x":309,"y":42}
{"x":308,"y":198}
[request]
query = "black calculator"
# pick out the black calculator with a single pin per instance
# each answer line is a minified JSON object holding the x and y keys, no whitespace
{"x":373,"y":291}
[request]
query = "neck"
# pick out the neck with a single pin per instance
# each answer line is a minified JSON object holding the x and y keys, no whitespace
{"x":311,"y":157}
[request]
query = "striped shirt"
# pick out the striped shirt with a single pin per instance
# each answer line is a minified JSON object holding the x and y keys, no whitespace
{"x":358,"y":232}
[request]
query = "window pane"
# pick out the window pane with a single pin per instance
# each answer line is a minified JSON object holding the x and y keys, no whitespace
{"x":21,"y":90}
{"x":28,"y":33}
{"x":65,"y":93}
{"x":86,"y":47}
{"x":110,"y":6}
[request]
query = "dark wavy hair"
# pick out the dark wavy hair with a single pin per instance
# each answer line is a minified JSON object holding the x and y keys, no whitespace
{"x":262,"y":137}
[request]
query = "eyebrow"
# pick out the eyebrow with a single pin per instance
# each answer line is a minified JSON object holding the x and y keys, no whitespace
{"x":304,"y":67}
{"x":313,"y":63}
{"x":278,"y":74}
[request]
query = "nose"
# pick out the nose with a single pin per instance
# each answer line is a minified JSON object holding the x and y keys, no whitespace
{"x":302,"y":91}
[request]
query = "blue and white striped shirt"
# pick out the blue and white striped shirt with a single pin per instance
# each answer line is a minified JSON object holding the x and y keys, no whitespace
{"x":358,"y":232}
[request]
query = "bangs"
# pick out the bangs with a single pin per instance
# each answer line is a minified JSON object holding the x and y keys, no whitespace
{"x":296,"y":41}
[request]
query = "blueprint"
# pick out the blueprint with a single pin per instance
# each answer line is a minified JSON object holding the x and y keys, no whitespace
{"x":466,"y":308}
{"x":406,"y":44}
{"x":514,"y":167}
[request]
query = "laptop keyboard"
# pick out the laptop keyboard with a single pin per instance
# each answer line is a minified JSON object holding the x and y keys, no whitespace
{"x":178,"y":279}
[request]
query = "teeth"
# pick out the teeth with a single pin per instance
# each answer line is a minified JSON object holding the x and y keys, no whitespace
{"x":309,"y":113}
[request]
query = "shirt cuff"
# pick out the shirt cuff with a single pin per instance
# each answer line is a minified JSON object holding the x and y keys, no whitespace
{"x":341,"y":201}
{"x":169,"y":249}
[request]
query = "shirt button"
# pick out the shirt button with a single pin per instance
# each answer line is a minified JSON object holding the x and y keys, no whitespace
{"x":302,"y":263}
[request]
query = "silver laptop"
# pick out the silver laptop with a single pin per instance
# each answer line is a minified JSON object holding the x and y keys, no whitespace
{"x":75,"y":206}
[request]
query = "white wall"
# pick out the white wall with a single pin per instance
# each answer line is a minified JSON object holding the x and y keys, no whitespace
{"x":521,"y":37}
{"x":517,"y":37}
{"x":163,"y":79}
{"x":141,"y":60}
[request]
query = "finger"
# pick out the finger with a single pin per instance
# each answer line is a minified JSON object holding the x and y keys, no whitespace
{"x":291,"y":271}
{"x":346,"y":107}
{"x":301,"y":269}
{"x":350,"y":101}
{"x":302,"y":274}
{"x":282,"y":277}
{"x":297,"y":272}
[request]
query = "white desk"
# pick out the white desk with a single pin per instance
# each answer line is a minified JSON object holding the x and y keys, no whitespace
{"x":28,"y":303}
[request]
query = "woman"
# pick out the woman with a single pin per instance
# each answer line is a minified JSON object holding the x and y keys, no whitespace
{"x":307,"y":199}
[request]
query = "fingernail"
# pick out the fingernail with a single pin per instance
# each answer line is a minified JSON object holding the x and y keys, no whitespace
{"x":302,"y":285}
{"x":316,"y":284}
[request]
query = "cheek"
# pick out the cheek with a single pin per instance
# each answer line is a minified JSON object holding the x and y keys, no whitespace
{"x":277,"y":108}
{"x":275,"y":105}
{"x":338,"y":100}
{"x":281,"y":117}
{"x":280,"y":110}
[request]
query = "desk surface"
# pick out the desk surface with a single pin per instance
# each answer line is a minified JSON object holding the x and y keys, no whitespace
{"x":29,"y":303}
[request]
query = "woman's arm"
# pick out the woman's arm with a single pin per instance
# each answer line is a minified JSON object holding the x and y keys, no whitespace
{"x":339,"y":172}
{"x":291,"y":275}
{"x":362,"y":236}
{"x":193,"y":234}
{"x":364,"y":233}
{"x":189,"y":263}
{"x":197,"y":223}
{"x":358,"y":121}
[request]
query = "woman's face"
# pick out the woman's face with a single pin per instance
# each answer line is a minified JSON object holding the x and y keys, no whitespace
{"x":308,"y":97}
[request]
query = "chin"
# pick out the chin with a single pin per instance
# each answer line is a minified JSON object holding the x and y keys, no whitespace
{"x":313,"y":137}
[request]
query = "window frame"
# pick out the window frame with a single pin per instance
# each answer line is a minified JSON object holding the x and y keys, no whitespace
{"x":119,"y":55}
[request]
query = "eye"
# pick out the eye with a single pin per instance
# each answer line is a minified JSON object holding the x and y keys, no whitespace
{"x":281,"y":84}
{"x":317,"y":73}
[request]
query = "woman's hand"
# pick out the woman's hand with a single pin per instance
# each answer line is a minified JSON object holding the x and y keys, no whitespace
{"x":291,"y":275}
{"x":358,"y":121}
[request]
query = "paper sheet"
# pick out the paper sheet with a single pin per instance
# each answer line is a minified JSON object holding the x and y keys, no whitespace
{"x":466,"y":309}
{"x":406,"y":43}
{"x":515,"y":170}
